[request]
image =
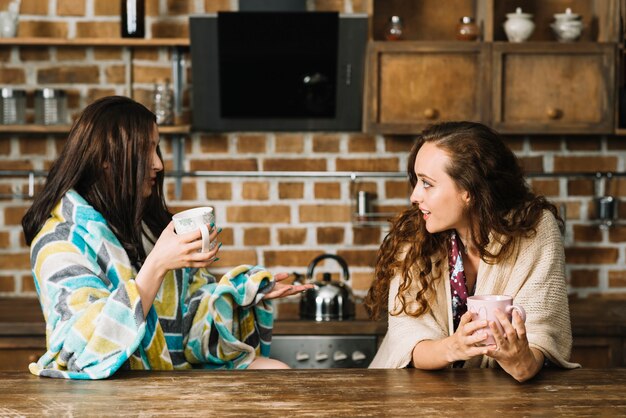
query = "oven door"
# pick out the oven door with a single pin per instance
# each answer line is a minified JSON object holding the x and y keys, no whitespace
{"x":324,"y":351}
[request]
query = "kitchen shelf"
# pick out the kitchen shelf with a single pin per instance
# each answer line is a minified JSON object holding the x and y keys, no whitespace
{"x":128,"y":42}
{"x":63,"y":129}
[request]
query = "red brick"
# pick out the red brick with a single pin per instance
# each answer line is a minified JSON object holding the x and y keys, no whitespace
{"x":591,"y":255}
{"x":296,"y":164}
{"x":399,"y":143}
{"x":33,"y":146}
{"x":326,"y":143}
{"x":145,"y":74}
{"x":329,"y":5}
{"x":35,"y":54}
{"x":217,"y":6}
{"x":256,"y":236}
{"x":17,"y":165}
{"x":584,"y":278}
{"x":147,"y":54}
{"x":189,"y":191}
{"x":291,"y":236}
{"x":330,"y":235}
{"x":259,"y":214}
{"x":4,"y":236}
{"x":586,"y":164}
{"x":71,"y":54}
{"x":12,"y":76}
{"x":587,"y":233}
{"x":251,"y":144}
{"x":213,"y":143}
{"x":289,"y":258}
{"x":546,"y":187}
{"x":290,"y":190}
{"x":531,"y":164}
{"x":7,"y":284}
{"x":34,"y":7}
{"x":361,"y":143}
{"x":42,"y":29}
{"x":515,"y":143}
{"x":69,"y":75}
{"x":248,"y":164}
{"x":70,"y":8}
{"x":180,"y":7}
{"x":163,"y":29}
{"x":361,"y":258}
{"x":326,"y":213}
{"x":218,"y":191}
{"x":28,"y":284}
{"x":226,"y":236}
{"x":617,"y":233}
{"x":361,"y":281}
{"x":106,"y":53}
{"x":255,"y":190}
{"x":552,"y":143}
{"x":368,"y":164}
{"x":327,"y":190}
{"x":617,"y":278}
{"x":581,"y":187}
{"x":15,"y":261}
{"x":584,"y":143}
{"x":107,"y":8}
{"x":366,"y":236}
{"x":397,"y":189}
{"x":289,"y":143}
{"x":97,"y":93}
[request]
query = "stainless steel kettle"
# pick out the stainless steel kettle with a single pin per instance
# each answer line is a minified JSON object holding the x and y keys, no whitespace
{"x":327,"y":300}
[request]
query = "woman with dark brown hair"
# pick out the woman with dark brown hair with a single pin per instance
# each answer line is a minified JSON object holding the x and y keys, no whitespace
{"x":474,"y":228}
{"x":118,"y":287}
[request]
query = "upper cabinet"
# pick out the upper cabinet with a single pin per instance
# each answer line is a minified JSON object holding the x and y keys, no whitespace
{"x":537,"y":86}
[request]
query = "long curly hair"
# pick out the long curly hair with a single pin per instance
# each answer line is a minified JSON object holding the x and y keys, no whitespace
{"x":116,"y":131}
{"x":501,"y":207}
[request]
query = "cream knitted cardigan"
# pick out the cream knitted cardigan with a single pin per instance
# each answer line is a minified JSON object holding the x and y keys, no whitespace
{"x":534,"y":275}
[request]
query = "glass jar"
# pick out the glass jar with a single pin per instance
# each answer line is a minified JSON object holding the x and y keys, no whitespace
{"x":163,"y":102}
{"x":393,"y":31}
{"x":50,"y":107}
{"x":467,"y":29}
{"x":12,"y":106}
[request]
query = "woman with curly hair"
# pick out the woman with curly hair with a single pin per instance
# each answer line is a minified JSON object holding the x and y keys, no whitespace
{"x":474,"y":228}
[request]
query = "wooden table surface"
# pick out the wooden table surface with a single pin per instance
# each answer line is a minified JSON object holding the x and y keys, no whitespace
{"x":332,"y":392}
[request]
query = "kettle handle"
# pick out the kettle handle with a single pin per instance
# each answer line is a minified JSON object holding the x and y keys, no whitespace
{"x":341,"y":261}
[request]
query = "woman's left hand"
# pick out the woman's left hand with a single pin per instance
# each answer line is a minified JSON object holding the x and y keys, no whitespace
{"x":282,"y":290}
{"x":512,"y":351}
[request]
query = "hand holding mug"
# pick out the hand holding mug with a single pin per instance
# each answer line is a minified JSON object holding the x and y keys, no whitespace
{"x":197,"y":219}
{"x":484,"y":307}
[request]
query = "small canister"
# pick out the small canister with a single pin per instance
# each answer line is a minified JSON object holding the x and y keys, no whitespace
{"x":50,"y":107}
{"x":12,"y":106}
{"x":363,"y":205}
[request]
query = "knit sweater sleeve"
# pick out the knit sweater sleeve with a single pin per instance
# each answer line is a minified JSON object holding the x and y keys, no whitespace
{"x":543,"y":293}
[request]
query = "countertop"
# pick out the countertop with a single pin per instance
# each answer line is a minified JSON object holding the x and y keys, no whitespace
{"x":333,"y":392}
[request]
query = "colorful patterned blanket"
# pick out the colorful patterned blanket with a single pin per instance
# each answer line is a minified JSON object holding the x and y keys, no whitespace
{"x":94,"y":317}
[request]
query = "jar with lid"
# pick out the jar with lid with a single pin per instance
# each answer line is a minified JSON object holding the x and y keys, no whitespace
{"x":567,"y":26}
{"x":394,"y":29}
{"x":12,"y":106}
{"x":163,"y":102}
{"x":519,"y":26}
{"x":50,"y":107}
{"x":467,"y":29}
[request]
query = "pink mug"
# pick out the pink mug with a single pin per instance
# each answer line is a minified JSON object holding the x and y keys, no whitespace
{"x":482,"y":307}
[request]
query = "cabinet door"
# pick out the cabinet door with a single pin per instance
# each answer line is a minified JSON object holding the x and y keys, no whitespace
{"x":413,"y":84}
{"x":554,"y":88}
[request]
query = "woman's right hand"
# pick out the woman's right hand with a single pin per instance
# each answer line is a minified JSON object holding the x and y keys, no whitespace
{"x":174,"y":251}
{"x":462,"y":344}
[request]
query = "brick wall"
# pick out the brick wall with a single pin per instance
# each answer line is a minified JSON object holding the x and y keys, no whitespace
{"x":281,"y":223}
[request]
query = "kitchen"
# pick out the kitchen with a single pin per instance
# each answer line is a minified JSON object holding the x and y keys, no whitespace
{"x":310,"y":179}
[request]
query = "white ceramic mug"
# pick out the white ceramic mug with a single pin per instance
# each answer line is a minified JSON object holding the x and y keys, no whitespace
{"x":482,"y":307}
{"x":194,"y":219}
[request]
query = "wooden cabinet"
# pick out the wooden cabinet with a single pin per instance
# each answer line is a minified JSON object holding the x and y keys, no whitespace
{"x":419,"y":83}
{"x":553,"y":88}
{"x":539,"y":86}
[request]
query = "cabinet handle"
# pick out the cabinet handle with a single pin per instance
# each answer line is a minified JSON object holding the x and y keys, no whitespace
{"x":554,"y":113}
{"x":431,"y":113}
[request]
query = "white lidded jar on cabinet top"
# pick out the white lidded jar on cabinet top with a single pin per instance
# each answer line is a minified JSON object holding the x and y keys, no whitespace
{"x":519,"y":26}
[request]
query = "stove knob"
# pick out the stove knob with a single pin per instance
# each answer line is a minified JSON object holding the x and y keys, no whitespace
{"x":339,"y":356}
{"x":321,"y":356}
{"x":358,"y":356}
{"x":302,"y":356}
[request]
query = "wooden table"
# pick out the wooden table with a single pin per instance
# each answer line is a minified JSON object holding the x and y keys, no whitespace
{"x":332,"y":392}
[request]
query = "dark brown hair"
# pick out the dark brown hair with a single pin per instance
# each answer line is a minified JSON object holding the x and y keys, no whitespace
{"x":501,"y":206}
{"x":115,"y":131}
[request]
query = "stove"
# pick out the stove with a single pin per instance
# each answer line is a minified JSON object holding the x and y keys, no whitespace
{"x":324,"y":351}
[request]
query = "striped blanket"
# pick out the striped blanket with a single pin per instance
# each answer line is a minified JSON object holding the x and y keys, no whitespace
{"x":94,"y":317}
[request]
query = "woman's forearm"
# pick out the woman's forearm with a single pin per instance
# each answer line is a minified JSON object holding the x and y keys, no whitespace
{"x":148,"y":280}
{"x":431,"y":354}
